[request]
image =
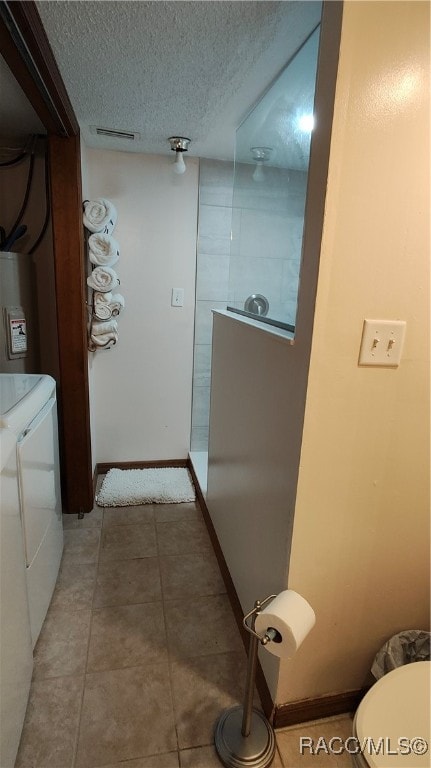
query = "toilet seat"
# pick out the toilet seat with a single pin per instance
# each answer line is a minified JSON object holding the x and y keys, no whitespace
{"x":398,"y":705}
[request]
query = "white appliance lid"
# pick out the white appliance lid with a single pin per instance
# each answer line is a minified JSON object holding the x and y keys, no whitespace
{"x":398,"y":705}
{"x":22,"y":395}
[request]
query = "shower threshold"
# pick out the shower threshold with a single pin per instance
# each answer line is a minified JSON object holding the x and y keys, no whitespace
{"x":199,"y":460}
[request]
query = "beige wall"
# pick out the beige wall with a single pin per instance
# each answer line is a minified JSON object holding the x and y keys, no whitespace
{"x":141,"y":389}
{"x":361,"y":530}
{"x":254,"y":442}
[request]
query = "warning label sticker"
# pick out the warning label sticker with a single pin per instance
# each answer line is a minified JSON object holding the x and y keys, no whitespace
{"x":18,"y":335}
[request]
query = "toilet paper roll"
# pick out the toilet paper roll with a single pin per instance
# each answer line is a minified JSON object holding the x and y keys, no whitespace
{"x":292,"y":617}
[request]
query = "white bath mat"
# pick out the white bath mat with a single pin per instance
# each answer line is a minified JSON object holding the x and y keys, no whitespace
{"x":126,"y":487}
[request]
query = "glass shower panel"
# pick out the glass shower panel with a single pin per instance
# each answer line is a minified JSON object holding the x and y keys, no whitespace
{"x":270,"y":182}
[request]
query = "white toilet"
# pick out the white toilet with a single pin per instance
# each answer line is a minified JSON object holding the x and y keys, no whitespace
{"x":393,"y":720}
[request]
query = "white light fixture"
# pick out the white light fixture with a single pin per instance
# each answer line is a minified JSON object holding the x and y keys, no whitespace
{"x":179,"y":144}
{"x":260,"y":155}
{"x":258,"y":174}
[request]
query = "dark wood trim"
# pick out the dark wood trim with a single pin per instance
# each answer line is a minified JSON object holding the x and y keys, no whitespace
{"x":68,"y":238}
{"x":27,"y":52}
{"x":19,"y":69}
{"x":314,"y":709}
{"x":103,"y":467}
{"x":261,"y":684}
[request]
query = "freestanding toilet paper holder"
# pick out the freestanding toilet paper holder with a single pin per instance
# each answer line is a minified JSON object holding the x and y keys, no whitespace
{"x":243,"y":736}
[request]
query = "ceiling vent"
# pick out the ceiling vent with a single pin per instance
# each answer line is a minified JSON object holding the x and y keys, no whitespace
{"x":113,"y":134}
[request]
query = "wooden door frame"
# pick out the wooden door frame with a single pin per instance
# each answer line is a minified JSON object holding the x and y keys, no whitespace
{"x":26,"y":50}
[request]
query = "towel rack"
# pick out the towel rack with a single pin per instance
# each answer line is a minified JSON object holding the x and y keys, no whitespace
{"x":93,"y":312}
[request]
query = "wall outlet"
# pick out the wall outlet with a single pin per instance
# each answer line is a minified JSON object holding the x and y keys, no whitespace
{"x":177,"y":298}
{"x":382,"y":342}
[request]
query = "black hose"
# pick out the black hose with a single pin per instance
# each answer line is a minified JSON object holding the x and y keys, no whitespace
{"x":26,"y":196}
{"x":19,"y":157}
{"x":14,"y":161}
{"x":47,"y":205}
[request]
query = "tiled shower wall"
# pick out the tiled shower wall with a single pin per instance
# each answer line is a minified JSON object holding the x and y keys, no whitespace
{"x":212,"y":282}
{"x":266,"y":222}
{"x":267,"y":226}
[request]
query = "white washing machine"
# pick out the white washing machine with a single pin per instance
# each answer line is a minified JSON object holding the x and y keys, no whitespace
{"x":16,"y":657}
{"x":29,"y":411}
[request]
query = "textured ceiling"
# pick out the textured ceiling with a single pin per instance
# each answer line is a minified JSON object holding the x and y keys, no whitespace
{"x":172,"y":68}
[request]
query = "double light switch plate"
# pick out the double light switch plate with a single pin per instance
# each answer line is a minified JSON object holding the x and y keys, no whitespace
{"x":382,"y":342}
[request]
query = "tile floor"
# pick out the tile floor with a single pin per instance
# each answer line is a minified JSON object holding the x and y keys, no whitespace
{"x":139,"y":652}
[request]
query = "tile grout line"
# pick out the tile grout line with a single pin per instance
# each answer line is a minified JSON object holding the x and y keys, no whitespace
{"x":161,"y":601}
{"x":164,"y":603}
{"x":78,"y":732}
{"x":170,"y":662}
{"x":171,"y":687}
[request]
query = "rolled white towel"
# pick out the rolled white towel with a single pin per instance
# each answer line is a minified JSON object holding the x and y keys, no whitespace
{"x":100,"y":215}
{"x":103,"y":250}
{"x":116,"y":304}
{"x":103,"y":279}
{"x":103,"y":339}
{"x":98,"y":329}
{"x":103,"y":333}
{"x":101,"y":305}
